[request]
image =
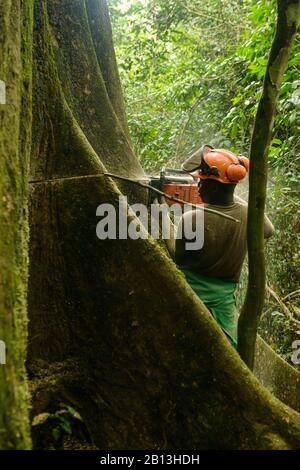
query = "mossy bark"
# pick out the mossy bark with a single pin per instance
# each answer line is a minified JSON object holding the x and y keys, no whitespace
{"x":114,"y":329}
{"x":282,"y":379}
{"x":15,"y":135}
{"x":287,"y":23}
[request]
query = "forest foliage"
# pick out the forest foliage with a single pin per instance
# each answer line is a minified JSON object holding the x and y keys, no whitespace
{"x":192,"y":72}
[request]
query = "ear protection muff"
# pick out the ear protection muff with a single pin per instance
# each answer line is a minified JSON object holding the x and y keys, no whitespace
{"x":236,"y":172}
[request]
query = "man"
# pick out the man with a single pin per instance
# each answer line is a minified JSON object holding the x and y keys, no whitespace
{"x":214,"y":271}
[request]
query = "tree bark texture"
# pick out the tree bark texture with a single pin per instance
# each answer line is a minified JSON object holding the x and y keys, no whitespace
{"x":15,"y":134}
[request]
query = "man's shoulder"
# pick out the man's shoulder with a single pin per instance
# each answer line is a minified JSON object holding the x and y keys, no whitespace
{"x":236,"y":207}
{"x":240,"y":201}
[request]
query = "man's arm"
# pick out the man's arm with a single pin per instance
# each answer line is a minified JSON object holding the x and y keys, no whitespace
{"x":186,"y":245}
{"x":176,"y":245}
{"x":268,"y":228}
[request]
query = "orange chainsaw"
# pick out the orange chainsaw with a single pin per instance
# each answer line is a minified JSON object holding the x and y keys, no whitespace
{"x":175,"y":183}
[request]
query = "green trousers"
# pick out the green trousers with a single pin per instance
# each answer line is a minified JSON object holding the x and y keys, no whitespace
{"x":219,"y":297}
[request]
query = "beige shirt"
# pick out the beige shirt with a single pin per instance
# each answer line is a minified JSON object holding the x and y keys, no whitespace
{"x":225,"y":242}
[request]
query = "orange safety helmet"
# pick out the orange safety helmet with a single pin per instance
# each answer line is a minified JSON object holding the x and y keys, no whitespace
{"x":217,"y":164}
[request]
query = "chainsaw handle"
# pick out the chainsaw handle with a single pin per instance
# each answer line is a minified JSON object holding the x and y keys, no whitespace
{"x":177,"y":171}
{"x":165,"y":170}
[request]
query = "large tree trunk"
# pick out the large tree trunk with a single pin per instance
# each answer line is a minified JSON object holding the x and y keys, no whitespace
{"x":15,"y":126}
{"x":115,"y":331}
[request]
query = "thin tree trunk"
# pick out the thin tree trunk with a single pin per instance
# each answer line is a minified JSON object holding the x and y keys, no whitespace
{"x":15,"y":134}
{"x":287,"y":22}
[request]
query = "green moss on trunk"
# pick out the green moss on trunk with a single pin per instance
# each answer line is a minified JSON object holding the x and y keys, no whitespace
{"x":15,"y":136}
